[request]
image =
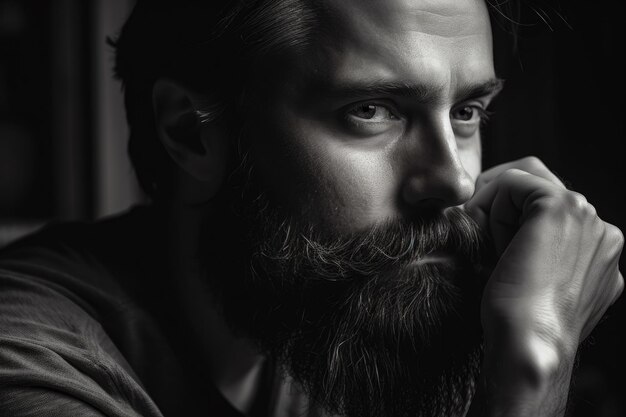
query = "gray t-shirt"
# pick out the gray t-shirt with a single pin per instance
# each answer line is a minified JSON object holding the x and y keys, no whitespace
{"x":86,"y":328}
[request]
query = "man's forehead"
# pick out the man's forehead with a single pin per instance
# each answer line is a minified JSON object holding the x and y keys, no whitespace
{"x":447,"y":18}
{"x":443,"y":45}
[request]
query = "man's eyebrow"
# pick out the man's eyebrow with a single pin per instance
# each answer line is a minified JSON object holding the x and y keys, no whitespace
{"x":489,"y":88}
{"x":422,"y":93}
{"x":425,"y":94}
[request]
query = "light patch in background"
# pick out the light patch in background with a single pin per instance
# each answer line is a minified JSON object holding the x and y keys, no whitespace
{"x":116,"y":185}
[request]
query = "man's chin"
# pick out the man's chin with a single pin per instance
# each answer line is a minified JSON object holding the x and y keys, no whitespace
{"x":390,"y":347}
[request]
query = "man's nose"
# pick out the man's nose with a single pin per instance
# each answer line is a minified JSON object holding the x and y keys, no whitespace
{"x":436,"y":177}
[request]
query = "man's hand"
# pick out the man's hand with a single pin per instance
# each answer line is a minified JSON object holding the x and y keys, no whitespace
{"x":556,"y":275}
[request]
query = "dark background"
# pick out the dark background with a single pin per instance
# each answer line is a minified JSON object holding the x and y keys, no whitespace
{"x":62,"y":132}
{"x":62,"y":125}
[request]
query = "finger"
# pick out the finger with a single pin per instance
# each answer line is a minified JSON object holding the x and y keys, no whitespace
{"x":530,"y":164}
{"x":513,"y":189}
{"x":499,"y":206}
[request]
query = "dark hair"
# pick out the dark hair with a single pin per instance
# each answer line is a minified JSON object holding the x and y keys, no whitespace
{"x":213,"y":47}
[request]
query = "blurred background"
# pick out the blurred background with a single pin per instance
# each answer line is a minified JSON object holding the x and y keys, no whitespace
{"x":62,"y":124}
{"x":63,"y":132}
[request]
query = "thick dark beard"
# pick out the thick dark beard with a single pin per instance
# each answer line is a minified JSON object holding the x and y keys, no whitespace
{"x":365,"y":329}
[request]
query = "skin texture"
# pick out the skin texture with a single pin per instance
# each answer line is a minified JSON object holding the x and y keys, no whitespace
{"x":349,"y":161}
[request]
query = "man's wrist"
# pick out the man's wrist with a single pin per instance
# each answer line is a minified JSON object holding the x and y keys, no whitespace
{"x":524,"y":374}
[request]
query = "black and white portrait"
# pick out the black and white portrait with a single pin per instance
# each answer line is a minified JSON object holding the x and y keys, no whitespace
{"x":322,"y":208}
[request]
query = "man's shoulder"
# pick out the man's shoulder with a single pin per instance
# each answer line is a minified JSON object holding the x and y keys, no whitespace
{"x":66,"y":244}
{"x":87,"y":320}
{"x":63,"y":311}
{"x":54,"y":354}
{"x":106,"y":261}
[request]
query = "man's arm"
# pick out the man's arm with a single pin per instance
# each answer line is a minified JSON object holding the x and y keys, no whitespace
{"x":56,"y":359}
{"x":37,"y":402}
{"x":557,"y":274}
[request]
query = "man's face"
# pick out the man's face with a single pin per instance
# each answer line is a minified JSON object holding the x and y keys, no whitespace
{"x":384,"y":120}
{"x":360,"y":275}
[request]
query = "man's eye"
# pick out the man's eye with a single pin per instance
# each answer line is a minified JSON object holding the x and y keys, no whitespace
{"x":371,"y":113}
{"x":369,"y":119}
{"x":469,"y":113}
{"x":466,"y":113}
{"x":466,"y":119}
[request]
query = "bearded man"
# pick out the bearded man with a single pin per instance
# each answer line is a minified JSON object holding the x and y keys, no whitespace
{"x":321,"y":240}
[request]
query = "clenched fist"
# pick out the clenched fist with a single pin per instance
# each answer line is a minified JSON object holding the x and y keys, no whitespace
{"x":556,"y":275}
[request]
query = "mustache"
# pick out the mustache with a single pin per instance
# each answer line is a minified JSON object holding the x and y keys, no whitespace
{"x":308,"y":252}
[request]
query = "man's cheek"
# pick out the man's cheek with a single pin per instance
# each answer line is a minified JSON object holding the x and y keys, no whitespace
{"x":358,"y":189}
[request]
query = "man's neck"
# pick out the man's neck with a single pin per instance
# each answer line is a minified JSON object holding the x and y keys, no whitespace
{"x":234,"y":363}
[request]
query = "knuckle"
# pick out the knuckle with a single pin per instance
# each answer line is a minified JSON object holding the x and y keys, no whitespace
{"x":533,"y":162}
{"x":620,"y":286}
{"x":615,"y":235}
{"x":481,"y":181}
{"x":612,"y":242}
{"x":571,"y":204}
{"x":590,"y":211}
{"x":548,"y":204}
{"x":554,"y":208}
{"x":512,"y":174}
{"x":577,"y":203}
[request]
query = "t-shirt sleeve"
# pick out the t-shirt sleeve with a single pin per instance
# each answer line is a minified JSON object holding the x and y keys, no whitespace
{"x":56,"y":359}
{"x":36,"y":402}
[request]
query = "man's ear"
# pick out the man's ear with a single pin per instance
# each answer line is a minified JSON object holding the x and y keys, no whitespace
{"x":199,"y":149}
